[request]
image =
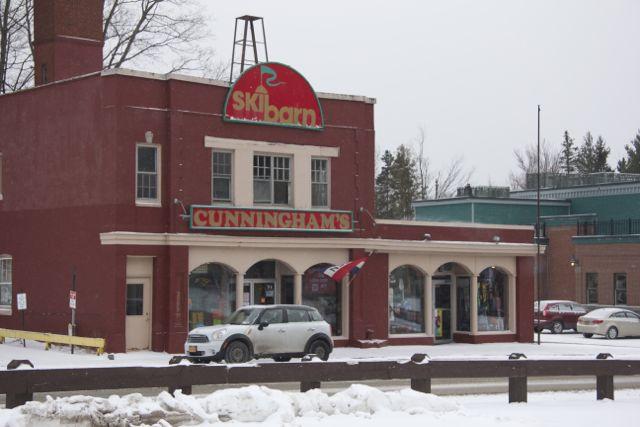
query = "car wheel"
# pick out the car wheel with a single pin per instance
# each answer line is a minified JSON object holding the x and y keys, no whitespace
{"x":612,"y":333}
{"x":281,"y":358}
{"x":587,"y":335}
{"x":320,"y":349}
{"x":237,"y":352}
{"x":557,"y":327}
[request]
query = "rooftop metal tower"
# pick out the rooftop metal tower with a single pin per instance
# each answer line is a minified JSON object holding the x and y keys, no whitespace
{"x":242,"y":58}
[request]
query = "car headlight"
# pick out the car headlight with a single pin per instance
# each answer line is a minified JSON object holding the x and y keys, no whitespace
{"x":218,"y":335}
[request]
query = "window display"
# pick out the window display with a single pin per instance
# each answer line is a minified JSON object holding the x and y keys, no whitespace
{"x":493,"y":300}
{"x":406,"y":301}
{"x":212,"y":295}
{"x":325,"y":294}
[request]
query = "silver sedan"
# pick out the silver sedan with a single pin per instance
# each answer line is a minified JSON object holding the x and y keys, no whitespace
{"x":610,"y":322}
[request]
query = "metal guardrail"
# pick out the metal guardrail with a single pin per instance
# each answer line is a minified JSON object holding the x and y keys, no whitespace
{"x":48,"y":339}
{"x":617,"y":227}
{"x":19,"y":385}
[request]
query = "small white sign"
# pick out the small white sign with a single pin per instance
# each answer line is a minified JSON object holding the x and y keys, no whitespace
{"x":72,"y":299}
{"x":21,"y":301}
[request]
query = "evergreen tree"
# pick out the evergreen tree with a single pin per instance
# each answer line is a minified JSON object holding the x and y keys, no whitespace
{"x":568,"y":154}
{"x":631,"y":164}
{"x":586,"y":157}
{"x":601,"y":155}
{"x":404,"y":183}
{"x":384,"y":191}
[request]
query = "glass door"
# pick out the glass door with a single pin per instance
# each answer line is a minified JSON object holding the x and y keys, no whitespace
{"x":264,"y":293}
{"x":442,"y":308}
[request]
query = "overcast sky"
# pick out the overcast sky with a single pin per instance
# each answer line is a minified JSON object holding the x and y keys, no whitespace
{"x":470,"y":72}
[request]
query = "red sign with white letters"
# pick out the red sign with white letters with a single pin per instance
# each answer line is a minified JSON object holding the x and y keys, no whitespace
{"x":227,"y":218}
{"x":273,"y":94}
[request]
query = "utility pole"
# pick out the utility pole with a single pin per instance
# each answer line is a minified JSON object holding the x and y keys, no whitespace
{"x":537,"y":270}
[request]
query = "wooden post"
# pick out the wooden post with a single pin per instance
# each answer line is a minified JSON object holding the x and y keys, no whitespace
{"x":604,"y":386}
{"x":517,"y":389}
{"x":18,"y":399}
{"x":421,"y":384}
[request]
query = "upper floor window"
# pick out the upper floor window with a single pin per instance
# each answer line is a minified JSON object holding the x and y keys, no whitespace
{"x":271,"y":179}
{"x":147,"y":173}
{"x":221,"y":170}
{"x":320,"y":183}
{"x":5,"y":282}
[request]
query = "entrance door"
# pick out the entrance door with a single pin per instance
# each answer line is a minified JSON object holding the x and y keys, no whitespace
{"x":264,"y":293}
{"x":442,"y":308}
{"x":138,"y":314}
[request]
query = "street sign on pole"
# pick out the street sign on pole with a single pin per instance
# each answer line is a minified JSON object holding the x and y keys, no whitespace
{"x":72,"y":299}
{"x":21,"y":300}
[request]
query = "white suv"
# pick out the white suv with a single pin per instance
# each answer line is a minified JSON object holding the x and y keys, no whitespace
{"x":277,"y":331}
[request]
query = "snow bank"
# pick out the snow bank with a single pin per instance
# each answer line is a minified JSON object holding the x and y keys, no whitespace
{"x":254,"y":404}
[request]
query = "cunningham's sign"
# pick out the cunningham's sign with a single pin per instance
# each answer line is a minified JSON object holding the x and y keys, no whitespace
{"x":228,"y":218}
{"x":274,"y":94}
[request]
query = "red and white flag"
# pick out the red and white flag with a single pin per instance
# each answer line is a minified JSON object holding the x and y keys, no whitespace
{"x":337,"y":272}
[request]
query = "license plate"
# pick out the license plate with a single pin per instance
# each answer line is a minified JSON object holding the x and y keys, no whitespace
{"x":193,"y":349}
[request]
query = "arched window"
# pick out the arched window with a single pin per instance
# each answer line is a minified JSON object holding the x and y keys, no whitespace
{"x":406,"y":301}
{"x":325,"y":294}
{"x":212,"y":294}
{"x":493,"y":300}
{"x":6,"y":280}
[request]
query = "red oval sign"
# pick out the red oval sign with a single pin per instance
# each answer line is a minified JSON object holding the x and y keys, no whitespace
{"x":274,"y":94}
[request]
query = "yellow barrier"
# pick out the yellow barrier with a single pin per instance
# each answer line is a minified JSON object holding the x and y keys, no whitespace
{"x":97,"y":343}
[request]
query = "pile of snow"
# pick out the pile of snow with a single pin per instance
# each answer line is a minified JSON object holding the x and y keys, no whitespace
{"x":253,"y":404}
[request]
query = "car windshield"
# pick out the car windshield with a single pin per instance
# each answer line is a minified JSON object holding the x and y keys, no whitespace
{"x":244,"y":316}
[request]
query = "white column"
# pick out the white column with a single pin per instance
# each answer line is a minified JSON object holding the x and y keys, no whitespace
{"x":297,"y":288}
{"x":512,"y":302}
{"x":239,"y":290}
{"x":474,"y":304}
{"x":302,"y":181}
{"x":429,"y":305}
{"x":242,"y":177}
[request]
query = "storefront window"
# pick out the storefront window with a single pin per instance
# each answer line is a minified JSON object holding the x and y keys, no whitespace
{"x":406,"y":301}
{"x":5,"y":281}
{"x":463,"y":304}
{"x":493,"y":300}
{"x":325,"y":294}
{"x":212,"y":295}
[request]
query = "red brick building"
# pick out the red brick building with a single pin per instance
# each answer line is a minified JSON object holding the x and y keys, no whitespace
{"x":124,"y":177}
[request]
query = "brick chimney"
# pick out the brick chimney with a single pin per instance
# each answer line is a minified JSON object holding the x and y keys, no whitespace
{"x":67,"y":39}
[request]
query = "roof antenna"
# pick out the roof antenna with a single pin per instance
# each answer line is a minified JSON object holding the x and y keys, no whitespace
{"x":250,"y":41}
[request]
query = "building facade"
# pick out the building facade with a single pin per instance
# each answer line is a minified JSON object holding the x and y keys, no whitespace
{"x":590,"y":228}
{"x":175,"y":200}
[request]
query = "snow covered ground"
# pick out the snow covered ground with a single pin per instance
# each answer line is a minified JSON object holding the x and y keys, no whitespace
{"x":358,"y":405}
{"x":355,"y":406}
{"x":553,"y":346}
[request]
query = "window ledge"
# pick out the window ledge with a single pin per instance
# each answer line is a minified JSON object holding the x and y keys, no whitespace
{"x":5,"y":311}
{"x":148,"y":204}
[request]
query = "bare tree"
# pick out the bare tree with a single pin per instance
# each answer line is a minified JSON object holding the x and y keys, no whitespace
{"x":172,"y":35}
{"x":422,"y":166}
{"x":447,"y":180}
{"x":527,"y":163}
{"x":16,"y":55}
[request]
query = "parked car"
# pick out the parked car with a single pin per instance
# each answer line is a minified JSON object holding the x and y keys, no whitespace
{"x":557,"y":315}
{"x":276,"y":331}
{"x":610,"y":322}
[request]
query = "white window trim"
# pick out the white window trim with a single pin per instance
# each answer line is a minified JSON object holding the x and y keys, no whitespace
{"x":231,"y":181}
{"x":272,"y":179}
{"x":6,"y":310}
{"x":328,"y":159}
{"x":150,"y":202}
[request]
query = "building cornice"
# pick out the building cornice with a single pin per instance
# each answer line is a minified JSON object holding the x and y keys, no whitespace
{"x":382,"y":245}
